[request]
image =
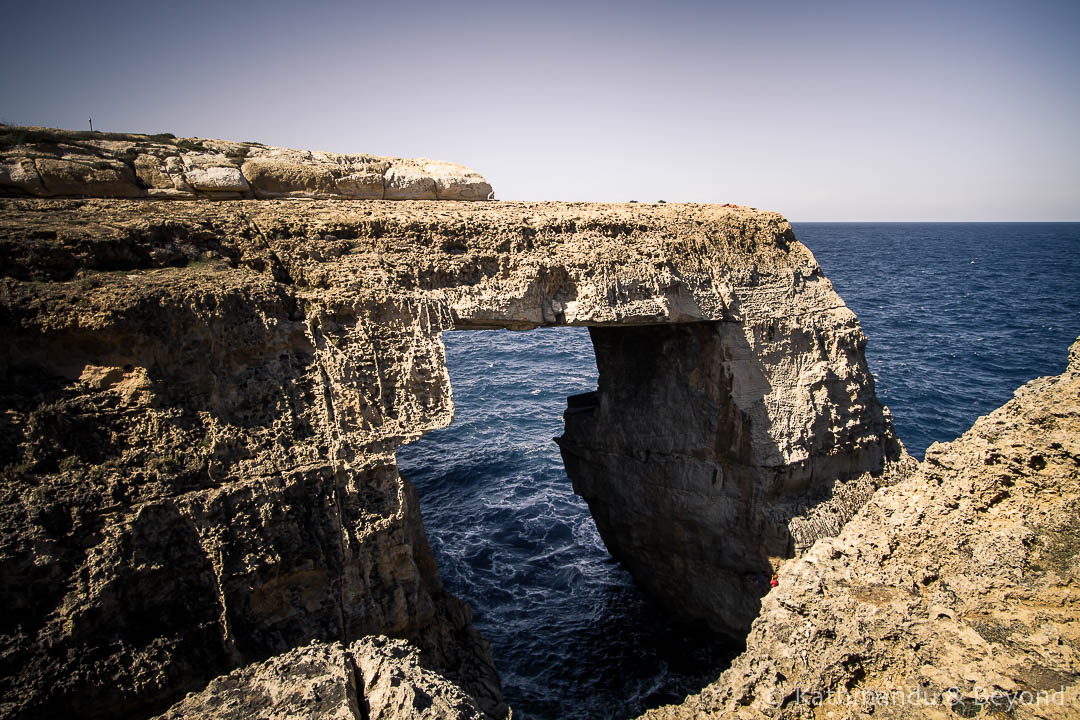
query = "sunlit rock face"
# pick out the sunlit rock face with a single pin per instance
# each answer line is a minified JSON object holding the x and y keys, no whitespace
{"x":202,"y":400}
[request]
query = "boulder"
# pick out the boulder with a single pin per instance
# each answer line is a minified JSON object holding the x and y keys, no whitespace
{"x":272,"y":177}
{"x":163,"y":178}
{"x":454,"y":182}
{"x":217,"y":179}
{"x":66,"y":177}
{"x":409,"y":182}
{"x":19,"y":175}
{"x":372,"y":679}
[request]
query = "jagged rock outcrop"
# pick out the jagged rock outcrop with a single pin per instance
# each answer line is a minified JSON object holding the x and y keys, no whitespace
{"x":43,"y":162}
{"x":201,"y":403}
{"x":372,"y":679}
{"x":955,"y":592}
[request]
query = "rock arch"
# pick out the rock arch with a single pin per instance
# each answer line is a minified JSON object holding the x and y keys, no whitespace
{"x":250,"y":368}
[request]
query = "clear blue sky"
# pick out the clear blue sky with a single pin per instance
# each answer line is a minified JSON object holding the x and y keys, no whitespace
{"x":823,"y":111}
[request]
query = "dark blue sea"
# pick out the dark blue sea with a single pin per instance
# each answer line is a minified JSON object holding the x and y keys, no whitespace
{"x":958,"y":315}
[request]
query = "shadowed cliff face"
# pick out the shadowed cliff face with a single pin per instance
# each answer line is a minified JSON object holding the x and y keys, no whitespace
{"x":698,"y":454}
{"x":201,"y":403}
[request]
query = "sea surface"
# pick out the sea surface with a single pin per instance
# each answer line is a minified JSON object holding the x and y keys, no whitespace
{"x":958,"y":315}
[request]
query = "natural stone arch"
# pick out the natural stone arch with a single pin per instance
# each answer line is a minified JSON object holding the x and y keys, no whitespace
{"x":255,"y":364}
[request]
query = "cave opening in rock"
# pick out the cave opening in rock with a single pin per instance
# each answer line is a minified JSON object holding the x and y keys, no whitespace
{"x":568,"y":626}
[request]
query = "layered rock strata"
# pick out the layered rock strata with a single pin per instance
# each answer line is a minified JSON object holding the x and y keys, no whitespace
{"x":954,"y":593}
{"x":202,"y":402}
{"x":42,"y":162}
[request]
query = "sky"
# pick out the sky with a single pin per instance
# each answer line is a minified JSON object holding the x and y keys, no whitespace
{"x":823,"y":111}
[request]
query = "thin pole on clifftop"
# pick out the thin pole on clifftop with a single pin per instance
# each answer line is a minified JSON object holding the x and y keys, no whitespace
{"x":91,"y":124}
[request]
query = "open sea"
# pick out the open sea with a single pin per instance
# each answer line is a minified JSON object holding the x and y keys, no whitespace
{"x":958,"y":315}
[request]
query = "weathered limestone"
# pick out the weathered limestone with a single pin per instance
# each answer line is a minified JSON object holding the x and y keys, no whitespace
{"x":215,"y":180}
{"x":453,"y":182}
{"x":43,"y":162}
{"x":277,"y":176}
{"x":372,"y":679}
{"x":397,"y":686}
{"x":202,"y":402}
{"x":409,"y":183}
{"x":706,"y":441}
{"x":953,"y":593}
{"x":68,"y":174}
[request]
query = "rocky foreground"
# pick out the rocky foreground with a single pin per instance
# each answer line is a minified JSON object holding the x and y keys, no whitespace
{"x":371,"y":679}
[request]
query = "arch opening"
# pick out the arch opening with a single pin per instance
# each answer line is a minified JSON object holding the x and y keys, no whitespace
{"x":568,"y":625}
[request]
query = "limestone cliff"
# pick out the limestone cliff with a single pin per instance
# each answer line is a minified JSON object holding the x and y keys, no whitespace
{"x":202,"y":402}
{"x":709,"y":445}
{"x":43,"y":162}
{"x":953,"y":593}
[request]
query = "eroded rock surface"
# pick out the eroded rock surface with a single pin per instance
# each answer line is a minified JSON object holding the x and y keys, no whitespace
{"x":707,"y":444}
{"x":43,"y":162}
{"x":374,"y":678}
{"x":954,"y":593}
{"x":201,"y":403}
